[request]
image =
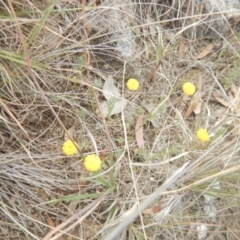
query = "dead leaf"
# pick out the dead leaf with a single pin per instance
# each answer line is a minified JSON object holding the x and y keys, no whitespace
{"x":152,"y":27}
{"x":153,"y":210}
{"x":50,"y":221}
{"x":114,"y":103}
{"x":155,"y":112}
{"x":139,"y":131}
{"x":156,"y":209}
{"x":51,"y":225}
{"x":198,"y":108}
{"x":206,"y":51}
{"x":234,"y":100}
{"x":223,"y":102}
{"x":113,"y":106}
{"x":194,"y":104}
{"x":233,"y":105}
{"x":69,"y":134}
{"x":84,"y":174}
{"x":198,"y":76}
{"x":110,"y":88}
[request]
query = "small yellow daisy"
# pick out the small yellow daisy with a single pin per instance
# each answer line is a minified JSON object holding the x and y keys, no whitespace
{"x":132,"y":84}
{"x":69,"y":148}
{"x":202,"y":135}
{"x":92,"y":163}
{"x":189,"y":88}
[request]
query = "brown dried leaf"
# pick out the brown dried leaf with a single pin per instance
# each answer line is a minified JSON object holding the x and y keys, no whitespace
{"x":152,"y":27}
{"x":234,"y":102}
{"x":198,"y":76}
{"x":84,"y":174}
{"x":109,"y":89}
{"x":198,"y":108}
{"x":194,"y":104}
{"x":50,"y":221}
{"x":223,"y":102}
{"x":153,"y":210}
{"x":139,"y":131}
{"x":147,"y":211}
{"x":156,"y":209}
{"x":51,"y":225}
{"x":205,"y":51}
{"x":69,"y":134}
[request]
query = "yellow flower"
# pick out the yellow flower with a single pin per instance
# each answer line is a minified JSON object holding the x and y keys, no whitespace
{"x":189,"y":88}
{"x":132,"y":84}
{"x":69,"y":148}
{"x":202,"y":135}
{"x":92,"y":163}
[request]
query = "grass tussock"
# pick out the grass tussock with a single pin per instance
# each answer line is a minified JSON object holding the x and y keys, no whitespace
{"x":55,"y":59}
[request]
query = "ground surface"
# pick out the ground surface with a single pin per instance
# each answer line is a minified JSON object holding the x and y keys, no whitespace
{"x":58,"y":61}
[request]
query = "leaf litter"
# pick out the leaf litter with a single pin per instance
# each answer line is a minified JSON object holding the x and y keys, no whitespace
{"x":232,"y":104}
{"x":205,"y":51}
{"x":196,"y":101}
{"x":115,"y":103}
{"x":61,"y":176}
{"x":139,"y":131}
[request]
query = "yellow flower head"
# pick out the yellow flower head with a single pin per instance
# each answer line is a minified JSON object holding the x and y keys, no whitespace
{"x":189,"y":88}
{"x":92,"y":163}
{"x":69,"y":148}
{"x":132,"y":84}
{"x":202,"y":135}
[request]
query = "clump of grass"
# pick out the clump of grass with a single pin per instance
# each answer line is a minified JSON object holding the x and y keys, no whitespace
{"x":52,"y":73}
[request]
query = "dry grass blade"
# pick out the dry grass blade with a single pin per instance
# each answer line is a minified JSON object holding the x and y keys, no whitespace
{"x":181,"y":48}
{"x":129,"y":219}
{"x":13,"y":117}
{"x":81,"y":214}
{"x":28,"y":61}
{"x":60,"y":60}
{"x":208,"y":179}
